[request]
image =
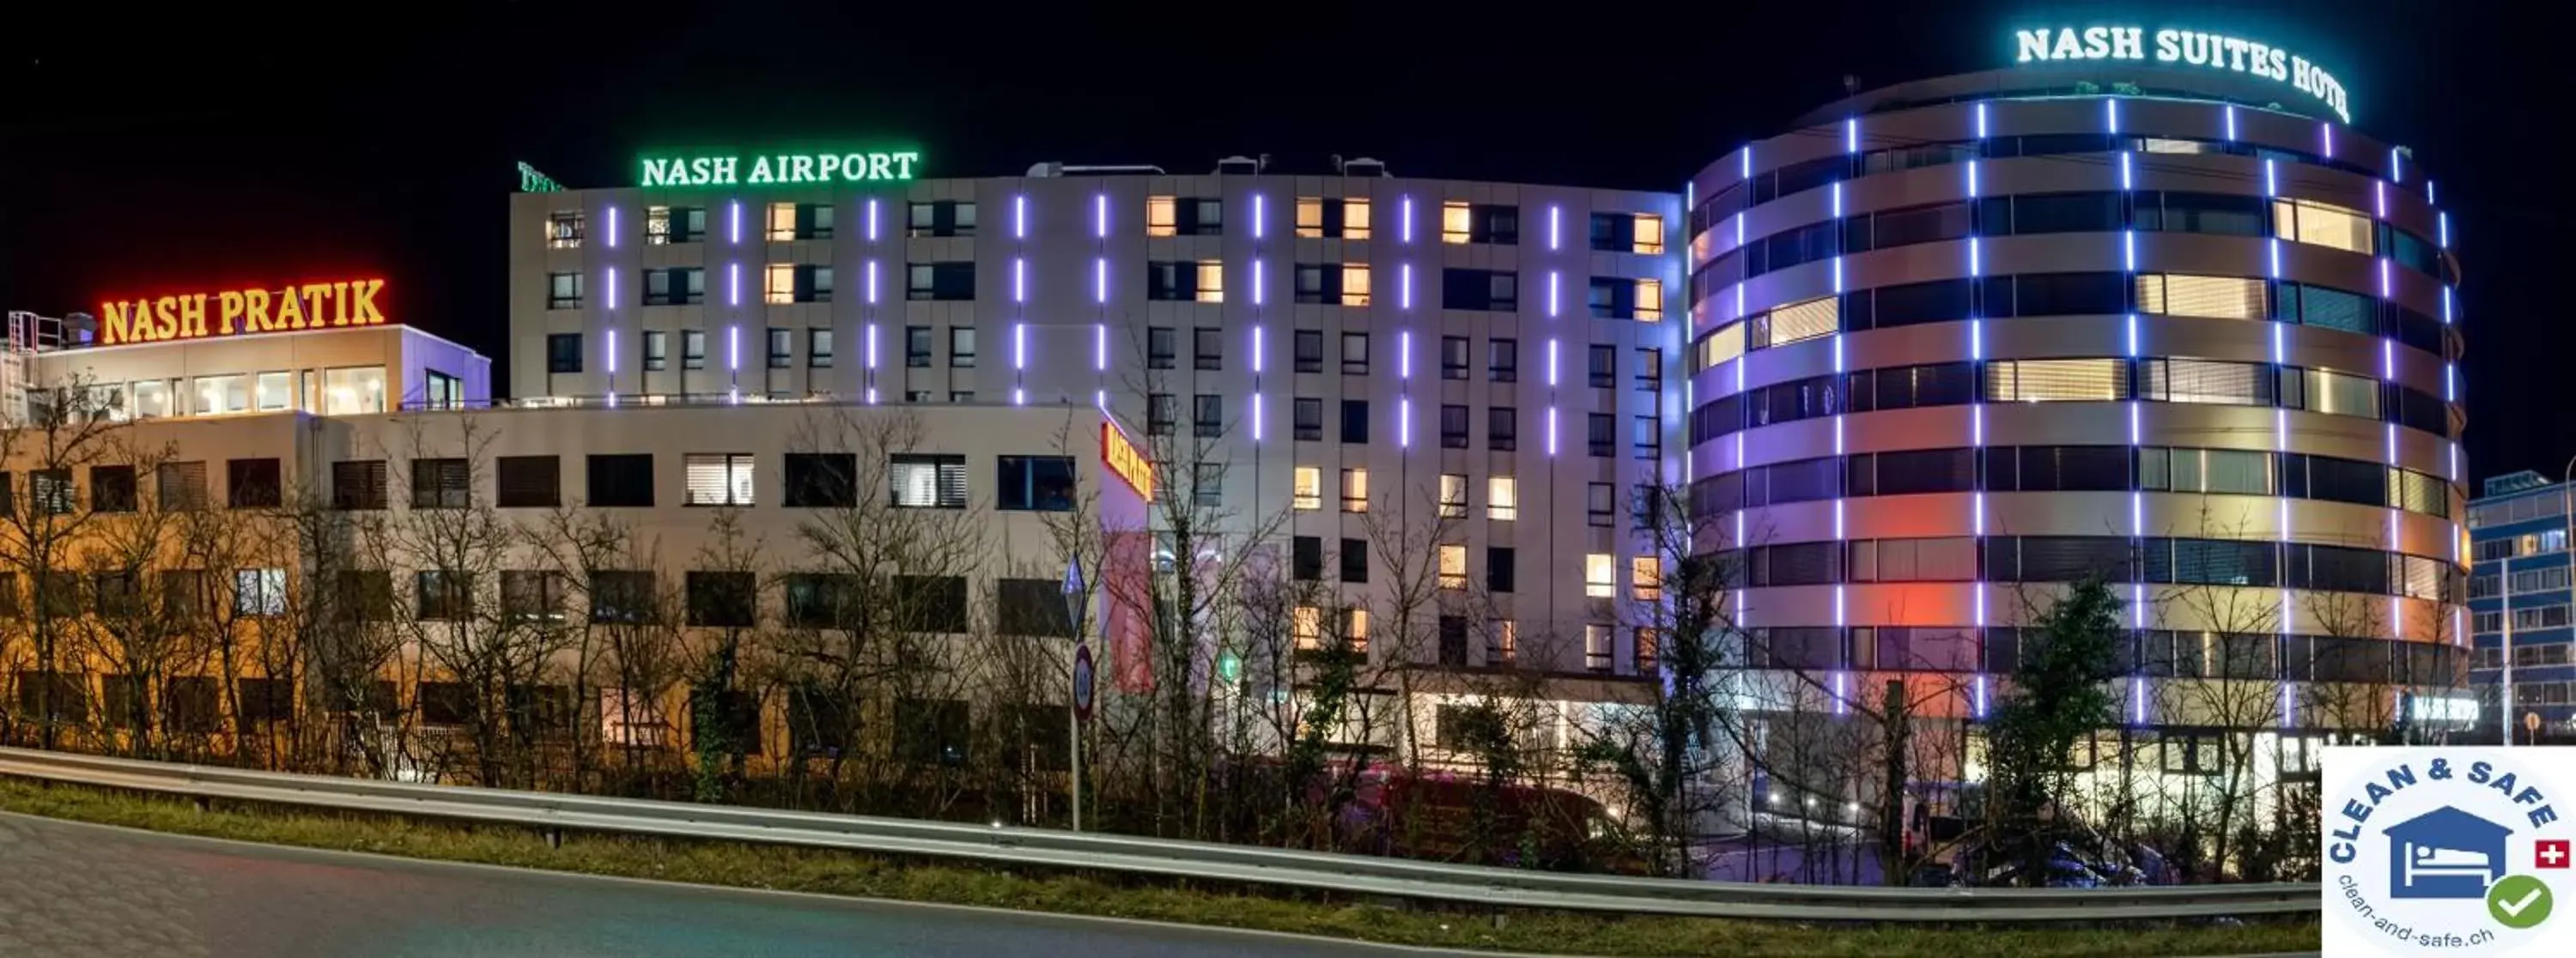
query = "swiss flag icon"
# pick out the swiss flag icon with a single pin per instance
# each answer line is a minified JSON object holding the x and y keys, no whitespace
{"x":2549,"y":853}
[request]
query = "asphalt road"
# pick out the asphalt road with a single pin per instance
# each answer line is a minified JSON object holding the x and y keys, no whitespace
{"x":70,"y":889}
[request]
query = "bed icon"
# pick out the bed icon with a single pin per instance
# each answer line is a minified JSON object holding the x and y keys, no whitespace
{"x":2444,"y":853}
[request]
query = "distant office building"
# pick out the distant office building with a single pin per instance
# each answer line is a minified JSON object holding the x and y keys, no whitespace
{"x":2518,"y":604}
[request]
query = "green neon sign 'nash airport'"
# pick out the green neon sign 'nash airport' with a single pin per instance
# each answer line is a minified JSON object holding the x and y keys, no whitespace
{"x":782,"y":169}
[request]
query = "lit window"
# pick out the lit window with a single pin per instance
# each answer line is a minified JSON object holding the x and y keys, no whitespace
{"x":1504,"y":646}
{"x":1649,"y":306}
{"x":2216,"y":297}
{"x":781,"y":287}
{"x":657,"y":225}
{"x":719,"y":479}
{"x":1453,"y":567}
{"x":1502,"y":498}
{"x":1650,"y":642}
{"x":1309,"y":492}
{"x":782,"y":221}
{"x":1718,"y":347}
{"x":1306,"y":626}
{"x":1355,"y":628}
{"x":1162,"y":216}
{"x":1798,"y":321}
{"x":1354,"y":490}
{"x":563,"y":230}
{"x":1649,"y":235}
{"x":1355,"y":284}
{"x":1599,"y":576}
{"x":1310,"y":217}
{"x":1646,"y":578}
{"x":1355,"y":218}
{"x":259,"y":592}
{"x":275,"y":390}
{"x":1596,"y":648}
{"x":1453,"y":496}
{"x":1211,"y":281}
{"x":2322,"y":224}
{"x":2056,"y":380}
{"x":1457,"y":222}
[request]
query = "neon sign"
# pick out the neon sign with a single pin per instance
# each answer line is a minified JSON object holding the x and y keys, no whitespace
{"x":238,"y":311}
{"x":531,"y":181}
{"x":781,"y":169}
{"x":2216,"y":51}
{"x":1123,"y":460}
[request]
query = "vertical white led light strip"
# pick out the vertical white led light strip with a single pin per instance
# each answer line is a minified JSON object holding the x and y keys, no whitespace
{"x":2280,"y":429}
{"x":1851,"y":155}
{"x":2129,"y":348}
{"x":1020,"y":301}
{"x":1977,"y":408}
{"x":1260,"y":231}
{"x":1100,"y":300}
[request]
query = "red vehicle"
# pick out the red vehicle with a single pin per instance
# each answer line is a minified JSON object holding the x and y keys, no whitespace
{"x":1437,"y":816}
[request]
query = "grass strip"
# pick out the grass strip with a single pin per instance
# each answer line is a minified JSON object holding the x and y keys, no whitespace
{"x":788,"y":868}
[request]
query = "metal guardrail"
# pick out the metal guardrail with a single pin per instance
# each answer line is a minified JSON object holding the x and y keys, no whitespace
{"x":1046,"y":848}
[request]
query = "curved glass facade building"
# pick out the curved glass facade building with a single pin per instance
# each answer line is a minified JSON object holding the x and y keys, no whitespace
{"x":1959,"y":342}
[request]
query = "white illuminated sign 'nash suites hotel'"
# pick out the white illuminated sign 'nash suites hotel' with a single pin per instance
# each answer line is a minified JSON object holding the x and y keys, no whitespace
{"x":2139,"y":304}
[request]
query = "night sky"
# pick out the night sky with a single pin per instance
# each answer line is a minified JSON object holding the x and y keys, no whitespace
{"x":260,"y":155}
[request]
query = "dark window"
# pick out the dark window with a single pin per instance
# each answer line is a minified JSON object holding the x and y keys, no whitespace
{"x":821,"y":480}
{"x":2097,"y":212}
{"x":52,"y":491}
{"x":1031,"y":607}
{"x":1602,"y":366}
{"x":358,"y":484}
{"x":940,"y":281}
{"x":1355,"y":421}
{"x":1207,"y":416}
{"x":932,"y":732}
{"x":1499,"y":571}
{"x":1035,"y":483}
{"x":624,"y":479}
{"x":1601,"y":437}
{"x":1920,"y":224}
{"x":563,"y":291}
{"x":366,"y":595}
{"x":2216,"y":213}
{"x":1159,"y":414}
{"x":563,"y":353}
{"x":1453,"y":641}
{"x":1502,"y":429}
{"x":1804,"y":563}
{"x":529,"y":595}
{"x":112,"y":489}
{"x":1309,"y":349}
{"x":817,"y":600}
{"x":1306,"y":558}
{"x":782,"y":348}
{"x":181,"y":487}
{"x":675,"y":287}
{"x":1207,"y":348}
{"x":2062,"y":294}
{"x":621,"y":596}
{"x":916,"y":347}
{"x":444,"y":596}
{"x":1646,"y":435}
{"x":1453,"y":427}
{"x":1481,"y":289}
{"x":693,"y":349}
{"x":931,"y":603}
{"x":1161,"y":347}
{"x":1805,"y":480}
{"x":1453,"y":357}
{"x":528,"y":482}
{"x":444,"y":703}
{"x":1914,"y":471}
{"x":1355,"y":354}
{"x":1912,"y":304}
{"x":440,"y":484}
{"x":722,"y":599}
{"x":2057,"y":558}
{"x":941,"y":218}
{"x":1600,"y":503}
{"x":1307,"y":419}
{"x":253,"y":483}
{"x":1613,"y":297}
{"x":1355,"y":560}
{"x":1503,"y":360}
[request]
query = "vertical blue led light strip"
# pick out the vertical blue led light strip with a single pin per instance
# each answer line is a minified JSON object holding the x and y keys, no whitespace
{"x":2129,"y":348}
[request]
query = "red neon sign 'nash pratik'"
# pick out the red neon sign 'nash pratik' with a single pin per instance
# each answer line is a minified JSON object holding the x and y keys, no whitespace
{"x":305,"y":306}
